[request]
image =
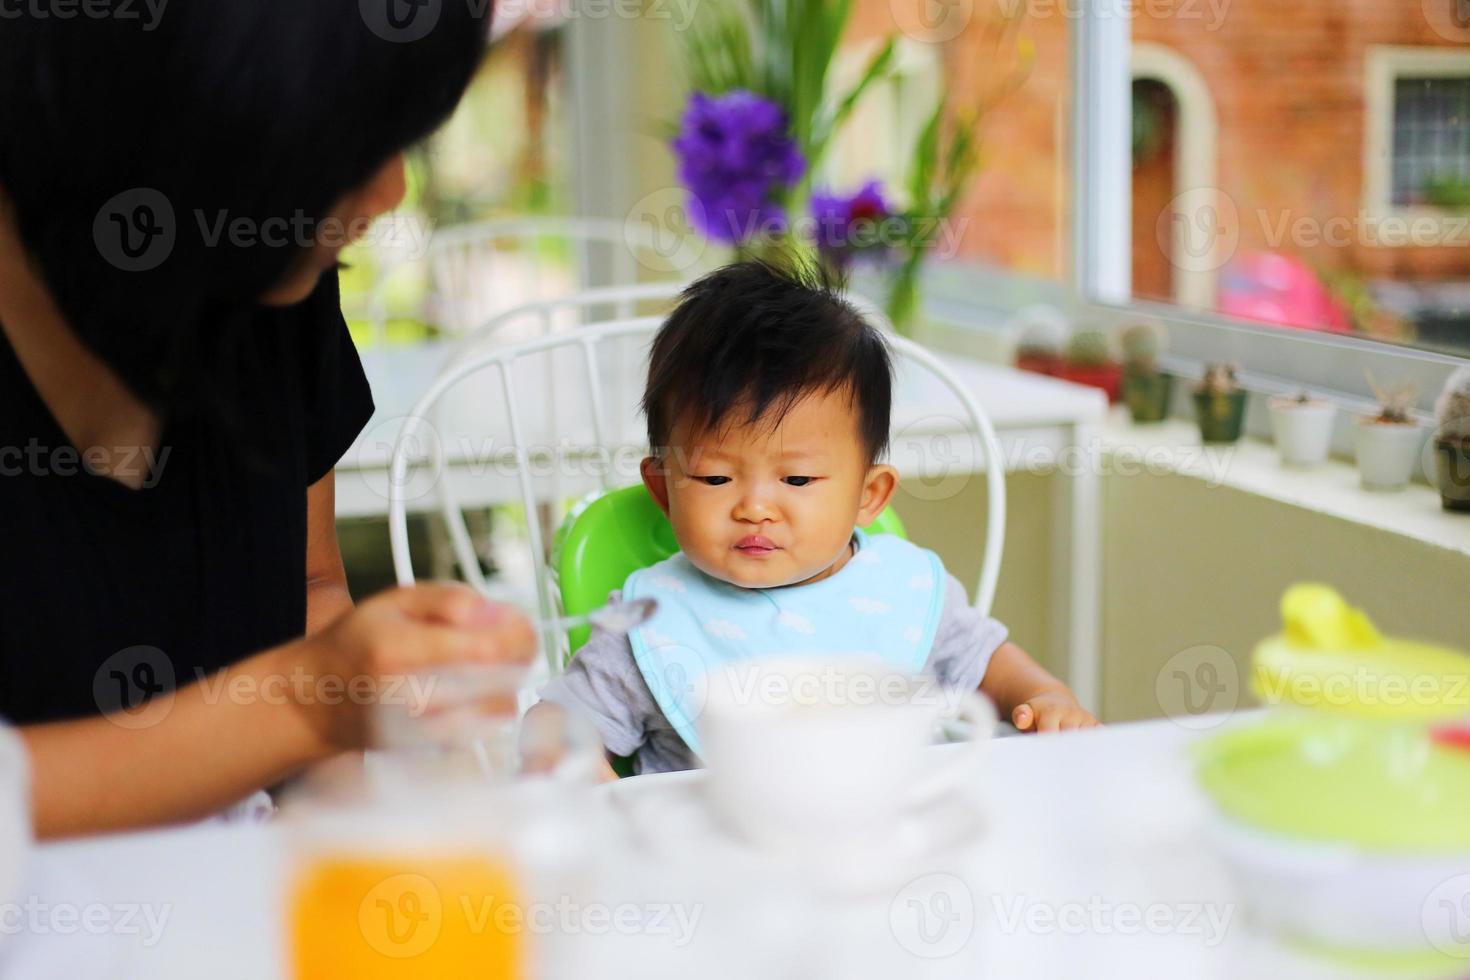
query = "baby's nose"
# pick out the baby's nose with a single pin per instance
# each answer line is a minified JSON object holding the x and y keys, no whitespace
{"x":754,"y":507}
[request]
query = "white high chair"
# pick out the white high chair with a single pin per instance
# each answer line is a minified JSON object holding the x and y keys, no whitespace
{"x":607,"y":434}
{"x":545,"y":316}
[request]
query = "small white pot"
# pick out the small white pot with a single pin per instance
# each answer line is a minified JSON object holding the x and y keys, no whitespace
{"x":1303,"y":430}
{"x":1387,"y":452}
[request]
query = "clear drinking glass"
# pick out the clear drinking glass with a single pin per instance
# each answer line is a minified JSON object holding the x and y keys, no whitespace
{"x":423,"y":861}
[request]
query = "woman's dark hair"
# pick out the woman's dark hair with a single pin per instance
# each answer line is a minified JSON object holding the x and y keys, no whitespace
{"x":760,"y":337}
{"x":159,"y":118}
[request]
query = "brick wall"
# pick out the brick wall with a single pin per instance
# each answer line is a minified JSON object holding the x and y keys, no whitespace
{"x":1288,"y":80}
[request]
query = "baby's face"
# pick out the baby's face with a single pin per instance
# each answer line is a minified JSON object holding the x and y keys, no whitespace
{"x":760,"y":507}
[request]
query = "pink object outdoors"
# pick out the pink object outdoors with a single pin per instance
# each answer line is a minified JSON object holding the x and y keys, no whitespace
{"x":1280,"y":289}
{"x":1453,"y":736}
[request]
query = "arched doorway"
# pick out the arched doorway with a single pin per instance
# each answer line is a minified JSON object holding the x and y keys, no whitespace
{"x":1155,"y":183}
{"x":1170,"y":83}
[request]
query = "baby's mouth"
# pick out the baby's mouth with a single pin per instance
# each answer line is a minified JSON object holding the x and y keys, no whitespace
{"x":755,"y":545}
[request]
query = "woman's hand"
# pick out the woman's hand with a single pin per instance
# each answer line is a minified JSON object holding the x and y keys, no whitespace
{"x":262,"y":719}
{"x":390,"y":635}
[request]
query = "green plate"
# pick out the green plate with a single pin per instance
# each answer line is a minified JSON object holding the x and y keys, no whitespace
{"x":1386,"y":788}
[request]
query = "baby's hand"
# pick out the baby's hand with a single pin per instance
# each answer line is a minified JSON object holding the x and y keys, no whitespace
{"x":1053,"y":711}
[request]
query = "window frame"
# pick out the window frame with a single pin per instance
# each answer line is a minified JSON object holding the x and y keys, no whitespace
{"x":1271,"y":359}
{"x":1384,"y":66}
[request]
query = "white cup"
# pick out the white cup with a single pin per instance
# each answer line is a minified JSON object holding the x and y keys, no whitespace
{"x":831,"y":753}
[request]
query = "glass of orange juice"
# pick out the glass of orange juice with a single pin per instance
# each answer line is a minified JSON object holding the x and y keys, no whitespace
{"x":413,"y":865}
{"x":404,"y":913}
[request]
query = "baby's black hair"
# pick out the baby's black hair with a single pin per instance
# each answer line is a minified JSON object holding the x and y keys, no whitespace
{"x":761,"y":336}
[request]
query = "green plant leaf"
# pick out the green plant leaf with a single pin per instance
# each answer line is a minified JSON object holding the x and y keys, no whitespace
{"x":926,"y":158}
{"x":877,"y":69}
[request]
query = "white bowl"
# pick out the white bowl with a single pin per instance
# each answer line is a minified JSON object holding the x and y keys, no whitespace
{"x":1348,"y":900}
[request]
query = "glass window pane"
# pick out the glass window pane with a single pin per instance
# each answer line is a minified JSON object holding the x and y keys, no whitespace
{"x":1306,"y":165}
{"x":1007,"y":73}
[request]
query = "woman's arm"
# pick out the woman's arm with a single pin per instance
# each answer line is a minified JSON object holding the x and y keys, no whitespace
{"x":205,"y":750}
{"x":326,"y":580}
{"x":189,"y":754}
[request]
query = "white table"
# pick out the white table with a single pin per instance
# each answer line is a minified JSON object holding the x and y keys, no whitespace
{"x":1044,"y":426}
{"x":1090,"y":828}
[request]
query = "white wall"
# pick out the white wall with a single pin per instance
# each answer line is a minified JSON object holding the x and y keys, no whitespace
{"x":1187,"y":565}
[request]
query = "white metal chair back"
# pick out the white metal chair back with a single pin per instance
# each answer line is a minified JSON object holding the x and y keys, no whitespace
{"x":588,"y":342}
{"x":476,"y":270}
{"x":545,"y":316}
{"x":542,"y":317}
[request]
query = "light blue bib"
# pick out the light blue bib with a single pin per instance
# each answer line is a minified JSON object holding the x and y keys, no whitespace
{"x":884,"y":603}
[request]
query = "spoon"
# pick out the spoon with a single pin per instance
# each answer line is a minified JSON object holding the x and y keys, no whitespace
{"x":623,"y":616}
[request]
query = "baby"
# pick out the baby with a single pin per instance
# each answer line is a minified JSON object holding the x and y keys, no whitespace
{"x":768,"y":403}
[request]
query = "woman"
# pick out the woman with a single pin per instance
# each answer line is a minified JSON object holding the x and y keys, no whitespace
{"x":176,"y":384}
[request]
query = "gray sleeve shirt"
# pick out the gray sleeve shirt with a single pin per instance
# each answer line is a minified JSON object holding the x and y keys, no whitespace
{"x":604,"y":683}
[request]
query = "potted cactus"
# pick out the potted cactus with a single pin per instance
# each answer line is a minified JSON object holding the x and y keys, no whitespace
{"x":1303,"y":428}
{"x":1042,"y":334}
{"x":1146,"y":389}
{"x":1089,"y":362}
{"x":1219,"y":403}
{"x":1389,"y":442}
{"x":1452,"y":442}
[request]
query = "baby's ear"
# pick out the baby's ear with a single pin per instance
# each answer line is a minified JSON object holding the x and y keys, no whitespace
{"x":878,"y":488}
{"x":656,"y":478}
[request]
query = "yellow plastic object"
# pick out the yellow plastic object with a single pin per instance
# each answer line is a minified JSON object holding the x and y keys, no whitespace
{"x":1330,"y":657}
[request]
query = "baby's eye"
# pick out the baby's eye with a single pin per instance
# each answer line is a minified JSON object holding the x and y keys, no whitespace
{"x":713,"y":481}
{"x":799,"y":481}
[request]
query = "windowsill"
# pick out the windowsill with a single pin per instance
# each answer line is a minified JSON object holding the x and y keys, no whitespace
{"x":1252,"y":466}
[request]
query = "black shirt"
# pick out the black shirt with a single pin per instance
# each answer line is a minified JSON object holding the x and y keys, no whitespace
{"x":109,"y":594}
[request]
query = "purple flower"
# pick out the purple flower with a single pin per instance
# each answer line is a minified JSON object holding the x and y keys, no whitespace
{"x":854,"y":226}
{"x":735,"y":154}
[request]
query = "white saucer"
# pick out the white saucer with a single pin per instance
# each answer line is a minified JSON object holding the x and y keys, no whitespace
{"x":668,"y":817}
